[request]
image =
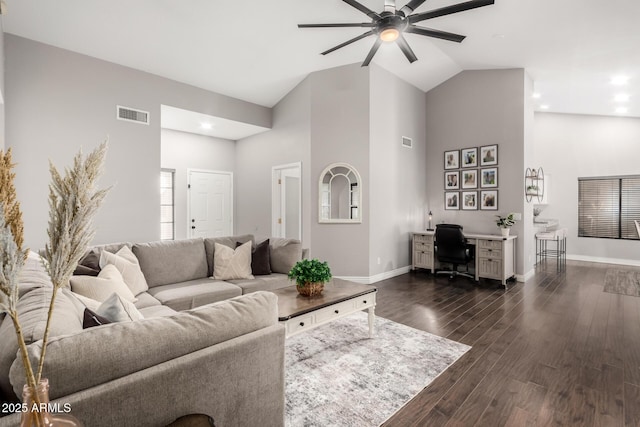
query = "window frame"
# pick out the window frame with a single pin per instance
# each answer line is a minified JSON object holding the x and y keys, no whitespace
{"x":173,"y":203}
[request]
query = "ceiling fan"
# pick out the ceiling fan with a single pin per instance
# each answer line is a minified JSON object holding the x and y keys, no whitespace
{"x":391,"y":24}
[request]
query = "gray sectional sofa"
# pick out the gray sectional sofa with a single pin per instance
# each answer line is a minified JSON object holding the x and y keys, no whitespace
{"x":204,"y":346}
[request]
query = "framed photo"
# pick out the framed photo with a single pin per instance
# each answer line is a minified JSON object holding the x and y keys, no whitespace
{"x":489,"y":178}
{"x":470,"y":178}
{"x":452,"y":159}
{"x":469,"y":200}
{"x":489,"y":155}
{"x":451,"y":200}
{"x":452,"y":180}
{"x":489,"y":200}
{"x":470,"y":157}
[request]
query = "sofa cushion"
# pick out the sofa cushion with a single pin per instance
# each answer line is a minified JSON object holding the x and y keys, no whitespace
{"x":194,"y":293}
{"x":209,"y":246}
{"x":148,"y":342}
{"x":101,"y":287}
{"x":172,"y":261}
{"x":146,"y":300}
{"x":157,"y":311}
{"x":260,"y":258}
{"x":117,"y":309}
{"x":284,"y":254}
{"x":33,"y":308}
{"x":231,"y":263}
{"x":263,"y":283}
{"x":127,"y":264}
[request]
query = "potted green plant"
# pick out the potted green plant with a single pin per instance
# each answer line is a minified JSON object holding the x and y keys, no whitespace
{"x":310,"y":276}
{"x":505,"y":223}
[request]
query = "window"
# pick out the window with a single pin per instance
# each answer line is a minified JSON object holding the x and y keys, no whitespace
{"x":167,"y":224}
{"x":607,"y":207}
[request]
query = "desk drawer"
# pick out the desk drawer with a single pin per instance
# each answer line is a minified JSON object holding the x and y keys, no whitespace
{"x":423,"y":247}
{"x":490,"y":268}
{"x":422,"y":238}
{"x":423,"y":259}
{"x":489,"y":253}
{"x":489,"y":244}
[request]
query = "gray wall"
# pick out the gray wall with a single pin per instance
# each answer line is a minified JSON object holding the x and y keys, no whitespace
{"x":287,"y":142}
{"x":472,"y":109}
{"x":340,"y":133}
{"x":570,"y":146}
{"x":398,"y":176}
{"x":182,"y":151}
{"x":2,"y":92}
{"x":58,"y":101}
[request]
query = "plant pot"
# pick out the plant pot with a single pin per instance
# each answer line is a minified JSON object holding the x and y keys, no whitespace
{"x":311,"y":289}
{"x":505,"y":231}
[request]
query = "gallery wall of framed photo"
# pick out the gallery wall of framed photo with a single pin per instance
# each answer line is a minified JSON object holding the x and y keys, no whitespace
{"x":471,"y":178}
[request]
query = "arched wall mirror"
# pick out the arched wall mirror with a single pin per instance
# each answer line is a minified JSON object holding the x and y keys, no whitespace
{"x":340,"y":194}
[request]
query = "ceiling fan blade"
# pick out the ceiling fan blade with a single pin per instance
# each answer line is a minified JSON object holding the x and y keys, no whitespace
{"x":362,"y":24}
{"x":362,"y":8}
{"x":348,"y":42}
{"x":372,"y":52}
{"x":435,"y":33}
{"x":447,"y":10}
{"x":404,"y":47}
{"x":408,"y":8}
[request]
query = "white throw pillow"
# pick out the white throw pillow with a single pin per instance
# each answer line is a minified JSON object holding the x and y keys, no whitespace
{"x":117,"y":309}
{"x":128,"y":265}
{"x":102,"y":286}
{"x":84,"y":302}
{"x":229,"y":264}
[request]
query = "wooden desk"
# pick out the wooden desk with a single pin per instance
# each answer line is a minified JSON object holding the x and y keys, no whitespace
{"x":495,"y":255}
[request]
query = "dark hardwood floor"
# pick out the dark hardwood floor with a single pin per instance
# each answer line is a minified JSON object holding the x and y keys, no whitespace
{"x":554,"y":351}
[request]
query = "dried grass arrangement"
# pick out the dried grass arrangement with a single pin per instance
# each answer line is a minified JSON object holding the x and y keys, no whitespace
{"x":73,"y":202}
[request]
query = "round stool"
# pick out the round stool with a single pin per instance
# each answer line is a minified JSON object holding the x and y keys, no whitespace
{"x":557,"y":239}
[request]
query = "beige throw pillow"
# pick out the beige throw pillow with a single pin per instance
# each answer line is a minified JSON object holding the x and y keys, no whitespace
{"x":127,"y":264}
{"x":102,"y":286}
{"x":229,"y":264}
{"x":117,"y":309}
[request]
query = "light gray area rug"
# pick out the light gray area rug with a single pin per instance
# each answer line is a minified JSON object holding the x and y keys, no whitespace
{"x":337,"y":376}
{"x":625,"y":282}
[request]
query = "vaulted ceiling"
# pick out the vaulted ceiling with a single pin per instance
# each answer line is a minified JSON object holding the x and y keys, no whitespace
{"x":253,"y":50}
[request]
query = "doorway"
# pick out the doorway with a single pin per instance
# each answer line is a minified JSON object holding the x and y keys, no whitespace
{"x":286,"y":206}
{"x":210,"y":203}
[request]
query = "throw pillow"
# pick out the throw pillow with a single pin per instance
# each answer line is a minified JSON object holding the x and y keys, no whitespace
{"x":260,"y":258}
{"x":128,"y":265}
{"x":82,"y":301}
{"x":92,"y":319}
{"x":117,"y":309}
{"x":229,"y":264}
{"x":89,"y":265}
{"x":101,"y":287}
{"x":284,"y":254}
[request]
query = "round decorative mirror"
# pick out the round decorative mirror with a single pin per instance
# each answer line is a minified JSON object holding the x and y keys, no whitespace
{"x":340,"y":194}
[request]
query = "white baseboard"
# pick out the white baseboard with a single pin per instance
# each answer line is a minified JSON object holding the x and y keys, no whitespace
{"x":367,"y":280}
{"x":524,"y":277}
{"x":619,"y":261}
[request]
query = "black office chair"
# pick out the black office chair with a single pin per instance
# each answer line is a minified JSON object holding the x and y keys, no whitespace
{"x":451,"y":248}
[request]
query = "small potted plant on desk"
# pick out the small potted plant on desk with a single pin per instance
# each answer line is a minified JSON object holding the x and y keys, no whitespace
{"x":310,"y":276}
{"x":505,"y":223}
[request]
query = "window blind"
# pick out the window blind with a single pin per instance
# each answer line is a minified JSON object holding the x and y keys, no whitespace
{"x":608,"y":206}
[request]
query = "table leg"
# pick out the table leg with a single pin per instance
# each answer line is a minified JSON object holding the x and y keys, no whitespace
{"x":372,"y":318}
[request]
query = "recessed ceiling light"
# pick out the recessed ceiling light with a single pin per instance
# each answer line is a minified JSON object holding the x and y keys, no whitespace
{"x":619,"y":80}
{"x":206,"y":125}
{"x":621,"y":110}
{"x":544,"y":107}
{"x":536,"y":95}
{"x":621,"y":97}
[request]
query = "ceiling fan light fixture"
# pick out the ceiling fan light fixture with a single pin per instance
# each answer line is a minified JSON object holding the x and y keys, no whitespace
{"x":389,"y":35}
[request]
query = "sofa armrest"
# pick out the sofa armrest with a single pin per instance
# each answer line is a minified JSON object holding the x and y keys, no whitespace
{"x":239,"y":382}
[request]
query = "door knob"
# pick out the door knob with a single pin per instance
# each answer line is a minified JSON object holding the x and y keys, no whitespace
{"x":193,"y":227}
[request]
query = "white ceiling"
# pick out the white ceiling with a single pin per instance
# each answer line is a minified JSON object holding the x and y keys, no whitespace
{"x":253,"y":50}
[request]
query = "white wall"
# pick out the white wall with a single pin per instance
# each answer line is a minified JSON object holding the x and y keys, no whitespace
{"x":287,"y":142}
{"x":472,"y":109}
{"x":58,"y":101}
{"x":182,"y":151}
{"x":2,"y":92}
{"x":570,"y":146}
{"x":398,"y":177}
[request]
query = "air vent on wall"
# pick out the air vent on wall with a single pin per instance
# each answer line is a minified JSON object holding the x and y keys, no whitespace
{"x":132,"y":115}
{"x":407,"y":142}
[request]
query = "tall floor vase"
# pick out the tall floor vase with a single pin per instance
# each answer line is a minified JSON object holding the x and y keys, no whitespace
{"x":39,"y":415}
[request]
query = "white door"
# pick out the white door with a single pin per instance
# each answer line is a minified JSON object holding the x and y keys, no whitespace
{"x":287,"y":201}
{"x":210,"y":204}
